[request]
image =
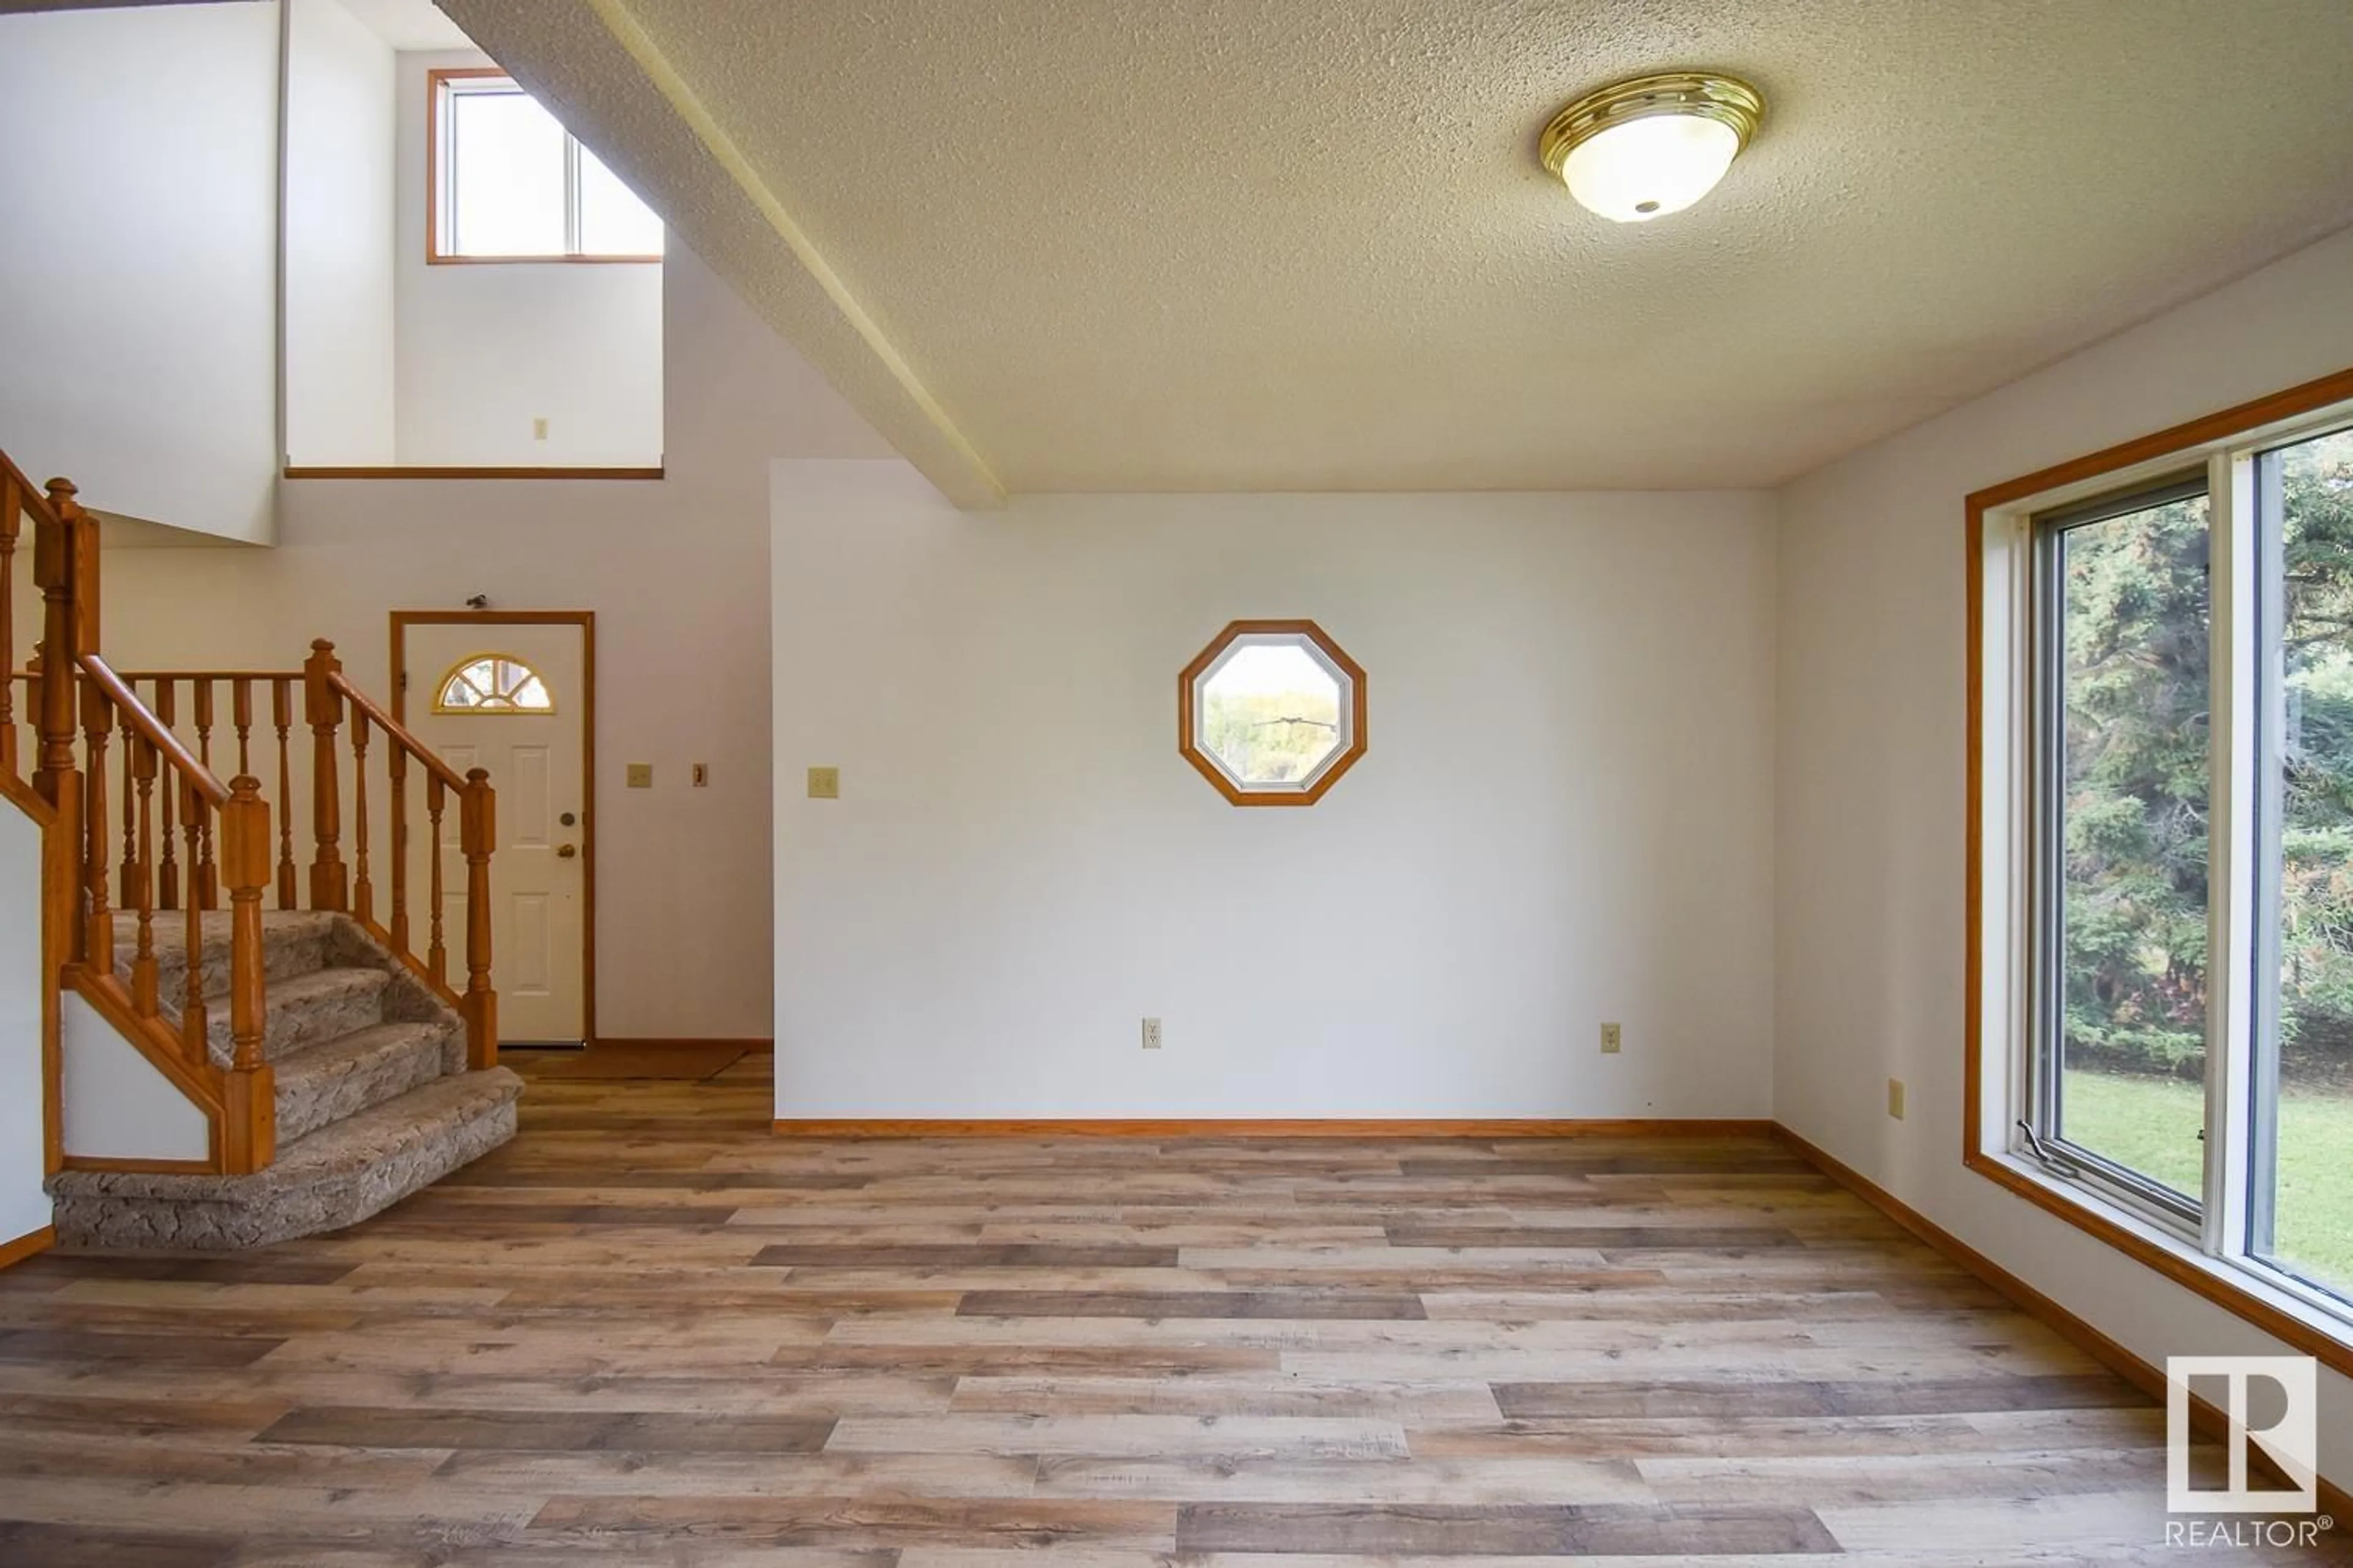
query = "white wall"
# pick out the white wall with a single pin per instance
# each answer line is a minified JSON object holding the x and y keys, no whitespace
{"x":24,"y":1085}
{"x":139,"y":282}
{"x":677,"y":570}
{"x":486,"y":349}
{"x":339,"y":236}
{"x":1564,"y":816}
{"x":1872,"y":783}
{"x":113,"y":1102}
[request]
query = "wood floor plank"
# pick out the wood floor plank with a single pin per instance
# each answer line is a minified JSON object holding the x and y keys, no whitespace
{"x":1521,"y":1530}
{"x":650,"y":1334}
{"x":633,"y":1431}
{"x":1282,"y":1304}
{"x":29,"y":1545}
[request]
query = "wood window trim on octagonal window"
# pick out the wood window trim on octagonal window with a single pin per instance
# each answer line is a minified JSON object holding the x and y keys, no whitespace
{"x":1189,"y":708}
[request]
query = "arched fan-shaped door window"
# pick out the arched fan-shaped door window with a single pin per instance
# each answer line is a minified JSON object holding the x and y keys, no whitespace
{"x":492,"y":683}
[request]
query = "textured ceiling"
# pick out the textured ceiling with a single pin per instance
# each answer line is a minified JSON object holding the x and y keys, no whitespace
{"x":1126,"y":244}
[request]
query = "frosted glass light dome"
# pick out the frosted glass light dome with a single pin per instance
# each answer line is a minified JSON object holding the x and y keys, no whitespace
{"x":1643,"y":169}
{"x":1651,"y":145}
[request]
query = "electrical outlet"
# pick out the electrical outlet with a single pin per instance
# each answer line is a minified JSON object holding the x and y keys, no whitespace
{"x":641,"y":775}
{"x":1609,"y":1042}
{"x":701,"y":778}
{"x":825,"y":783}
{"x":1152,"y":1034}
{"x":539,"y":429}
{"x":1896,"y":1098}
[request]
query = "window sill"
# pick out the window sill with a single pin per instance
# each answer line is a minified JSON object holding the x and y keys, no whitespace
{"x":294,"y":471}
{"x":432,"y":260}
{"x":2295,"y":1323}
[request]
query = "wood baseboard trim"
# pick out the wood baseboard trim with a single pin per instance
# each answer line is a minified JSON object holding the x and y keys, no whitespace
{"x":25,"y":1245}
{"x":142,"y":1167}
{"x":1258,"y":1127}
{"x":293,"y":471}
{"x":680,"y":1042}
{"x":2149,"y":1379}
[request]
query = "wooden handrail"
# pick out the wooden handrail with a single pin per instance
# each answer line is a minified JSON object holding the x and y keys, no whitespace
{"x":328,"y":695}
{"x":138,"y":675}
{"x":395,"y":731}
{"x":152,"y":730}
{"x":94,"y":733}
{"x":81,"y":707}
{"x":29,"y":495}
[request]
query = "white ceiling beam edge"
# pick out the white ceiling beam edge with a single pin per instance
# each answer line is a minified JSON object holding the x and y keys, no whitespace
{"x":601,"y":74}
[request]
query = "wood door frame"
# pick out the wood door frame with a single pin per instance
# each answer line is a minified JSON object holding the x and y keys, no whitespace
{"x":586,"y":621}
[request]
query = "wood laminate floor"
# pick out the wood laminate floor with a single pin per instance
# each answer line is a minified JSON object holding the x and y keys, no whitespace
{"x":649,"y":1332}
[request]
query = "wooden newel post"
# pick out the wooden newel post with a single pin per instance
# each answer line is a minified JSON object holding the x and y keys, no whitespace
{"x":323,"y":709}
{"x":477,"y":834}
{"x":98,"y":920}
{"x":249,"y":1097}
{"x":57,"y":777}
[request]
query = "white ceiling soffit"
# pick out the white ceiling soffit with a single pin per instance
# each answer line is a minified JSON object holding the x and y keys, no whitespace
{"x":1228,"y":244}
{"x":409,"y":23}
{"x":591,"y":64}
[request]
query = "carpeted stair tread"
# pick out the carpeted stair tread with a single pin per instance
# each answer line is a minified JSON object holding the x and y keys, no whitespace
{"x":294,"y":941}
{"x":394,"y":1128}
{"x":304,"y":1011}
{"x":334,"y":1177}
{"x":170,"y":931}
{"x":342,"y":1077}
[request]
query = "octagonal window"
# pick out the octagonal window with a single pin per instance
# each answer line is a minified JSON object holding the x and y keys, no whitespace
{"x":1271,"y":713}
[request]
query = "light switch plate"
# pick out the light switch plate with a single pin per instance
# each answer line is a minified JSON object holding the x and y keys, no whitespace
{"x":701,"y":777}
{"x":825,"y":783}
{"x":1896,"y":1098}
{"x":641,"y":775}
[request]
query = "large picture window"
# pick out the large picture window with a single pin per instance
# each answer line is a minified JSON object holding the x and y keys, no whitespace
{"x":510,"y":183}
{"x":2161,"y":921}
{"x":2125,"y":621}
{"x":2301,"y":1089}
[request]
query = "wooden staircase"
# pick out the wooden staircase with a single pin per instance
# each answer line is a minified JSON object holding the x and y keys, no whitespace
{"x":297,"y":1067}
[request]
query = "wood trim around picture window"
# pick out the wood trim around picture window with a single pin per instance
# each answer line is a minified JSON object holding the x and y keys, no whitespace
{"x":2207,"y":1277}
{"x":1352,"y":750}
{"x":435,"y":256}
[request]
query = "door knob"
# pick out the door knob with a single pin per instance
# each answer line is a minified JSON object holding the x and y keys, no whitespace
{"x":565,"y":852}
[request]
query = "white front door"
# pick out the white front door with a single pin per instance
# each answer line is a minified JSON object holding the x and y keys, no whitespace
{"x":512,"y":697}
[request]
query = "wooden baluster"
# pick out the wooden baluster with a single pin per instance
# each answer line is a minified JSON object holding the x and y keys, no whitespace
{"x":282,"y":715}
{"x":96,"y":726}
{"x":56,"y":776}
{"x":122,"y":900}
{"x":12,"y":515}
{"x":240,"y":705}
{"x":195,"y":1027}
{"x":477,"y":835}
{"x":204,"y":872}
{"x":437,"y":957}
{"x":395,"y":756}
{"x":363,"y":893}
{"x":168,"y":891}
{"x":323,"y":709}
{"x":140,"y":868}
{"x":249,"y":1095}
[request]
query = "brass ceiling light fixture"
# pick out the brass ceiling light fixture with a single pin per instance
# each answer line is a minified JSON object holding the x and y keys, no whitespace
{"x":1651,"y":145}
